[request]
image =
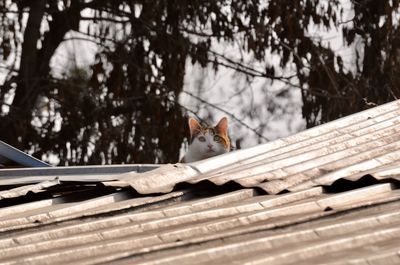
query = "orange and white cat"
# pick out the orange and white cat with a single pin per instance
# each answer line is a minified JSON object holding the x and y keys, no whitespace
{"x":206,"y":142}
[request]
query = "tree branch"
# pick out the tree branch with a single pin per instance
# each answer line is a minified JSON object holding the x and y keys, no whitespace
{"x":106,"y":19}
{"x":227,"y":113}
{"x":29,"y":52}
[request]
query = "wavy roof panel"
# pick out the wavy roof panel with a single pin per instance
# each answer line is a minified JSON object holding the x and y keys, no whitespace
{"x":364,"y":143}
{"x":327,"y":195}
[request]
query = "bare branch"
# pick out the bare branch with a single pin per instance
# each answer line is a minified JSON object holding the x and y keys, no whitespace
{"x":105,"y":19}
{"x":227,"y":113}
{"x":249,"y":70}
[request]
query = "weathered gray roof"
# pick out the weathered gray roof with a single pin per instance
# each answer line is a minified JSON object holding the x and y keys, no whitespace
{"x":364,"y":143}
{"x":328,"y":195}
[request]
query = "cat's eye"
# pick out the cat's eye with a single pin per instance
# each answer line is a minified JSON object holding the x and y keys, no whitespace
{"x":202,"y":139}
{"x":217,"y":138}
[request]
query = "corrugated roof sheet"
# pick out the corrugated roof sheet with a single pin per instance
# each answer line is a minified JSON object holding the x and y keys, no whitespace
{"x":329,"y":195}
{"x":364,"y":143}
{"x":238,"y":226}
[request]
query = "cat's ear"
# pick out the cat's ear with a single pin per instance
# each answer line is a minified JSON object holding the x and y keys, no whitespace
{"x":194,"y":126}
{"x":222,"y":126}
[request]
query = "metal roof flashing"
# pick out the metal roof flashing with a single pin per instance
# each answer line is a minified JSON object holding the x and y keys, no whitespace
{"x":9,"y":153}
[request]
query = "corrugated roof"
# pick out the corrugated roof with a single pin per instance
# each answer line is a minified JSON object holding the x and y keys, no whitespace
{"x":329,"y":195}
{"x":238,"y":226}
{"x":364,"y":143}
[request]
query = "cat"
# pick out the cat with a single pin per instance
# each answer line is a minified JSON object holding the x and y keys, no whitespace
{"x":207,"y":142}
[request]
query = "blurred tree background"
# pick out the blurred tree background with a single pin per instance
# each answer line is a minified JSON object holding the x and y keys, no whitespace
{"x":125,"y":108}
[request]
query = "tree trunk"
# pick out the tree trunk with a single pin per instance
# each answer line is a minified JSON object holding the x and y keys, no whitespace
{"x":17,"y":121}
{"x":35,"y":68}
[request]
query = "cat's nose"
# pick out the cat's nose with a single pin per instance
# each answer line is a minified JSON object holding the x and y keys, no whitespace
{"x":210,"y":146}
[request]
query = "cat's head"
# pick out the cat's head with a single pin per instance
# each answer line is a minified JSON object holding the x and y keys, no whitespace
{"x":209,"y":141}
